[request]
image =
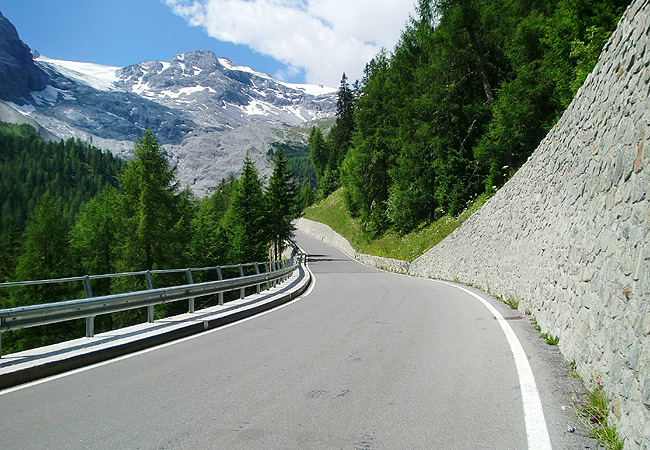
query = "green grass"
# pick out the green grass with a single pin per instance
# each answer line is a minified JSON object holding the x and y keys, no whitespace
{"x":332,"y":211}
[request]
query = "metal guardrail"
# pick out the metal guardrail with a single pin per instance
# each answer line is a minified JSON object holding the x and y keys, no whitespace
{"x":89,"y":307}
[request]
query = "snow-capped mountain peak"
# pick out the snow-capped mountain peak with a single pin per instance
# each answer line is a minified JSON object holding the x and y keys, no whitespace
{"x":135,"y":78}
{"x":311,"y":89}
{"x":207,"y":112}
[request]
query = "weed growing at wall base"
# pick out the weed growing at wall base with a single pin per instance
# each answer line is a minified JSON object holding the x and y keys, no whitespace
{"x":550,"y":339}
{"x":592,"y":409}
{"x":513,"y":303}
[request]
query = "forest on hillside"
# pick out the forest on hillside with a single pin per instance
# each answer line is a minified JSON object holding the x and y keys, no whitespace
{"x":88,"y":213}
{"x":457,"y":106}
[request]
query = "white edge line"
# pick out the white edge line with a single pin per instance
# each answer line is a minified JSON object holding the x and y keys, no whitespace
{"x":158,"y":347}
{"x":536,"y":430}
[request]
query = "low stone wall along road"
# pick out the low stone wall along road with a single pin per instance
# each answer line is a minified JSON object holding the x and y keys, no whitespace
{"x":364,"y":360}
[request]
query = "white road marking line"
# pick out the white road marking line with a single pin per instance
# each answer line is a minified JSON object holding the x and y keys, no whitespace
{"x":536,"y":430}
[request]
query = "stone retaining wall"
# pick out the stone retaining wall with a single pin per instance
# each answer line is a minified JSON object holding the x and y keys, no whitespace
{"x":569,"y":234}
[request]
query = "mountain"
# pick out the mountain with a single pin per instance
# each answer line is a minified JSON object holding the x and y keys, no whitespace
{"x":206,"y":111}
{"x":18,"y":73}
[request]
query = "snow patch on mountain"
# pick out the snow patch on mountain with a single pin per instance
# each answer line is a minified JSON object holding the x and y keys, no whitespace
{"x":311,"y":89}
{"x":98,"y":77}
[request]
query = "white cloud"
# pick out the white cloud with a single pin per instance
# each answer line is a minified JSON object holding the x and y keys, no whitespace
{"x":323,"y":38}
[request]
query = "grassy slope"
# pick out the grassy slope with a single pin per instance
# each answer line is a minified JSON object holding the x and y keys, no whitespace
{"x":332,"y":212}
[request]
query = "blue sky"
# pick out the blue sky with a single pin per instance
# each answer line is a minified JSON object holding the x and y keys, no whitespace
{"x":301,"y":41}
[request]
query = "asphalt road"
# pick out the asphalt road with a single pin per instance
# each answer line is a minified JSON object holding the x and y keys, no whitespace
{"x":365,"y":360}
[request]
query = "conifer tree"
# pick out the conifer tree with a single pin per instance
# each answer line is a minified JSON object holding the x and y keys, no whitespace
{"x":44,"y":255}
{"x":244,"y":220}
{"x":280,"y":203}
{"x":342,"y":133}
{"x":94,"y":235}
{"x":365,"y":168}
{"x":304,"y":198}
{"x":318,"y":152}
{"x":150,"y":205}
{"x":209,"y":243}
{"x":44,"y":250}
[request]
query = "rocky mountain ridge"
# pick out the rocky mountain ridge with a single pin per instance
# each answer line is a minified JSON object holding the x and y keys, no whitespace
{"x":207,"y":112}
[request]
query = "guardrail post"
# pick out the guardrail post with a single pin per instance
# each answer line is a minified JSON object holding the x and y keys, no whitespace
{"x":220,"y":277}
{"x":147,"y":276}
{"x":90,"y":321}
{"x":273,"y":268}
{"x":190,"y":281}
{"x":258,"y":287}
{"x":242,"y":291}
{"x":0,"y":342}
{"x":267,"y":269}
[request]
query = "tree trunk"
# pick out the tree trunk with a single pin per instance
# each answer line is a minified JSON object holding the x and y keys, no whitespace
{"x":481,"y":67}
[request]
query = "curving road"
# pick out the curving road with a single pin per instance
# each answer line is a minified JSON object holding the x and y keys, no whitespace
{"x":365,"y":360}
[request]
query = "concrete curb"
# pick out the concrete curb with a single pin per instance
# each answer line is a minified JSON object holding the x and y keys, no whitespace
{"x":31,"y":365}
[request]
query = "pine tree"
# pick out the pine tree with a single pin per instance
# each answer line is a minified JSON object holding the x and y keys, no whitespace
{"x":280,"y":203}
{"x":244,"y":220}
{"x":364,"y":171}
{"x":305,"y":198}
{"x":150,"y":205}
{"x":43,"y":255}
{"x":341,"y":134}
{"x":94,"y":235}
{"x":318,"y":152}
{"x":410,"y":194}
{"x":209,"y":244}
{"x":44,"y":251}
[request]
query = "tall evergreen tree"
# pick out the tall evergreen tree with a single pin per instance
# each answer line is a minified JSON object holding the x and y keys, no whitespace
{"x":94,"y":235}
{"x":244,"y":220}
{"x":44,"y":255}
{"x":304,"y":198}
{"x":209,"y":244}
{"x":341,"y":134}
{"x":150,"y":204}
{"x":280,"y":203}
{"x":318,"y":152}
{"x":412,"y":179}
{"x":364,"y":171}
{"x":44,"y":250}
